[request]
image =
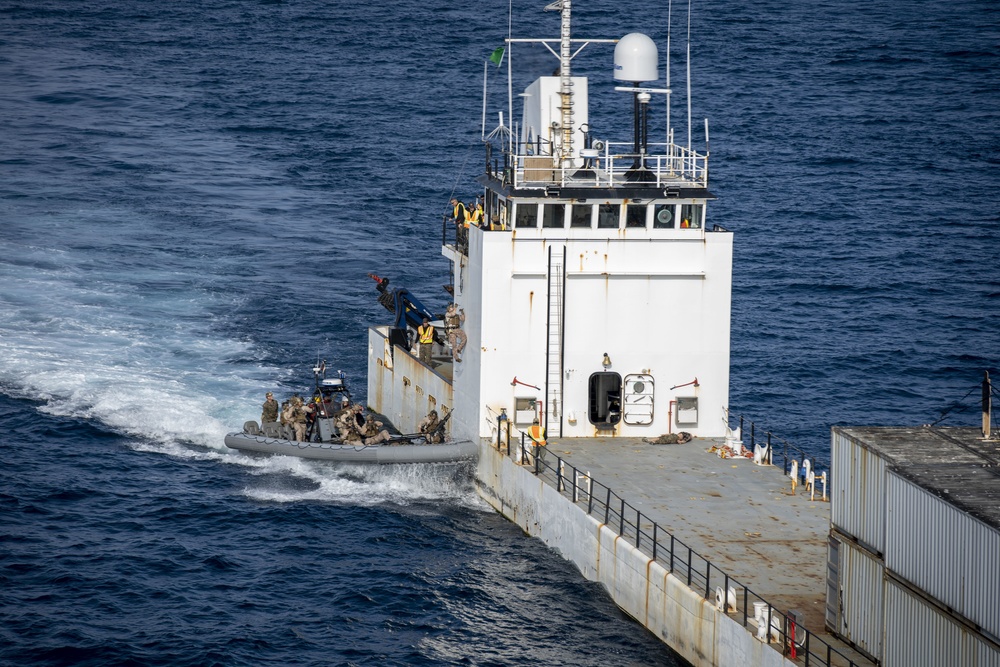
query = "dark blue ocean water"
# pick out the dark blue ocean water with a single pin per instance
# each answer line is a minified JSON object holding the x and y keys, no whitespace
{"x":192,"y":193}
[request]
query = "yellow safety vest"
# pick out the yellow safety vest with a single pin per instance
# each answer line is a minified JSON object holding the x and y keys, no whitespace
{"x":426,"y":334}
{"x":459,"y":213}
{"x":537,"y":434}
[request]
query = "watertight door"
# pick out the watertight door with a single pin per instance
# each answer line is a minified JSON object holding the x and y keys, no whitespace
{"x":638,"y":392}
{"x":605,"y":399}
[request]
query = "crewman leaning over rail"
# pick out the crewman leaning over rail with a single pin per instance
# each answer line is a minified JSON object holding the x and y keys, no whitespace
{"x":459,"y":213}
{"x":537,"y":435}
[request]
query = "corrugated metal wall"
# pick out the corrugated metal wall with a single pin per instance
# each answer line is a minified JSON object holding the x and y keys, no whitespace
{"x":861,"y":589}
{"x":917,"y":634}
{"x":945,"y":552}
{"x":858,"y":499}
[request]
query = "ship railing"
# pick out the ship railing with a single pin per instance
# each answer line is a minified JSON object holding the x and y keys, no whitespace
{"x":455,"y":235}
{"x":777,"y":628}
{"x":616,"y":166}
{"x":786,"y":452}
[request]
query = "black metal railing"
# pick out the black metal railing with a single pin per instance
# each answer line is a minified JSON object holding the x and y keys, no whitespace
{"x":786,"y":450}
{"x":454,"y":234}
{"x":774,"y":627}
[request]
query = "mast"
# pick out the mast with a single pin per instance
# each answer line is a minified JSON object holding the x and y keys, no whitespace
{"x":565,"y":148}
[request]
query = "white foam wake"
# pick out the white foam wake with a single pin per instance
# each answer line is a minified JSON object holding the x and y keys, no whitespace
{"x":127,"y":346}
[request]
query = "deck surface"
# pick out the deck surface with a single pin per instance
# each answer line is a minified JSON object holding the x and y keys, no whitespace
{"x":743,"y":517}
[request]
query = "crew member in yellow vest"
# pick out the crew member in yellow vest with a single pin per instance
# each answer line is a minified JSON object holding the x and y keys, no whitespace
{"x":470,"y":208}
{"x":425,"y":333}
{"x":499,"y":221}
{"x":459,"y":213}
{"x":476,"y":216}
{"x":537,"y":435}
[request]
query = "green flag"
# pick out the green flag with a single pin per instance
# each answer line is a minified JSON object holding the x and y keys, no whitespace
{"x":497,"y":56}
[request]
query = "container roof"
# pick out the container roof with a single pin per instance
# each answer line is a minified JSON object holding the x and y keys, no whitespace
{"x":954,"y":464}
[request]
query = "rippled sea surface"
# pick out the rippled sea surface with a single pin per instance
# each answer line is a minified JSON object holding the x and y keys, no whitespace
{"x":192,"y":194}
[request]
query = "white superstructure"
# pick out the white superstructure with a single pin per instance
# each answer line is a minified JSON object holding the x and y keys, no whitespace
{"x":596,"y":295}
{"x":596,"y":283}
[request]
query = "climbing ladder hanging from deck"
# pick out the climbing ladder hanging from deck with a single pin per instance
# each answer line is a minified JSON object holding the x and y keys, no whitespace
{"x":554,"y":341}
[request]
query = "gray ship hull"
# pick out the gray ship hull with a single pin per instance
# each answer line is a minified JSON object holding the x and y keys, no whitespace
{"x":333,"y":451}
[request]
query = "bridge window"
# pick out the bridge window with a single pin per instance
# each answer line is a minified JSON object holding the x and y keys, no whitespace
{"x":607,"y":216}
{"x":527,"y":215}
{"x":691,"y":216}
{"x":635,"y":215}
{"x":663,"y":216}
{"x":554,"y":215}
{"x":580,"y":215}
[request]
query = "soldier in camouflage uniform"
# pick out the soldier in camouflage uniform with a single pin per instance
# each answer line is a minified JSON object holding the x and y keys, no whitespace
{"x":454,"y":318}
{"x":299,"y":419}
{"x":347,"y":425}
{"x":270,"y":409}
{"x":428,"y":426}
{"x":287,"y":410}
{"x":373,"y":431}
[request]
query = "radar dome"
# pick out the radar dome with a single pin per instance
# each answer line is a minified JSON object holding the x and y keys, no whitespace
{"x":636,"y":58}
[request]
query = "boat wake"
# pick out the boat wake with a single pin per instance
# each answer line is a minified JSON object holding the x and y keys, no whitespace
{"x":285,"y":479}
{"x":132,"y":347}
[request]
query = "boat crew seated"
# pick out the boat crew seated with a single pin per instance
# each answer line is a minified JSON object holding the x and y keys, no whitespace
{"x":347,"y":425}
{"x":373,"y":431}
{"x":429,"y":427}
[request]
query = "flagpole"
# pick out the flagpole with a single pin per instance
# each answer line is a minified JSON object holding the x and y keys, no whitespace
{"x":510,"y":84}
{"x":486,"y":68}
{"x":510,"y":91}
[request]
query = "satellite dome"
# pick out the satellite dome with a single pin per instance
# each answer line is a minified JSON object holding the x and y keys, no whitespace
{"x":636,"y":58}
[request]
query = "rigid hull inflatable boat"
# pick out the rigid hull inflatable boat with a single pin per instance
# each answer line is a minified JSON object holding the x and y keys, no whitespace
{"x":324,"y":441}
{"x":393,"y":451}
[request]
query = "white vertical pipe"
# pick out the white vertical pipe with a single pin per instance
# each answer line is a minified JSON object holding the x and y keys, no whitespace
{"x":485,"y":74}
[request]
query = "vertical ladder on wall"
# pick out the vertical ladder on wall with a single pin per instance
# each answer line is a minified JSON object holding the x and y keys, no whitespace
{"x":556,"y":317}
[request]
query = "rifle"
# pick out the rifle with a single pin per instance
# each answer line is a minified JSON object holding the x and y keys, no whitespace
{"x":440,"y":427}
{"x":407,"y":437}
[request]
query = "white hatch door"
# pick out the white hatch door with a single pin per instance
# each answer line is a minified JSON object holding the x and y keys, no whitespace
{"x":638,"y":408}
